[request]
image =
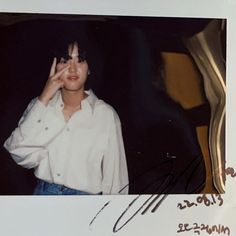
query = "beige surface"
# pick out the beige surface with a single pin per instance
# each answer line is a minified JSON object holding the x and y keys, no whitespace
{"x":182,"y":80}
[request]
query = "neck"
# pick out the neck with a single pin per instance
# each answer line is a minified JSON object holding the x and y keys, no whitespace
{"x":72,"y":99}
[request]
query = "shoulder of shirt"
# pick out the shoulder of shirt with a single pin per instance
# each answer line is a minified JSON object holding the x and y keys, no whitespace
{"x":100,"y":104}
{"x":32,"y":103}
{"x":36,"y":101}
{"x":33,"y":100}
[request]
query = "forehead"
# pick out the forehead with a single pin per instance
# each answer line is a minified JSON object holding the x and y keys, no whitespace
{"x":73,"y":49}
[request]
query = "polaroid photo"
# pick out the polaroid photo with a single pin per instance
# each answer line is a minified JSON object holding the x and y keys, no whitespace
{"x":142,"y":141}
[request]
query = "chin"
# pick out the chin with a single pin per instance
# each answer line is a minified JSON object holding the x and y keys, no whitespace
{"x":73,"y":88}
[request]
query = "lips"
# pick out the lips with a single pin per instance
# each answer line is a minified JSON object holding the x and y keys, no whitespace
{"x":73,"y":77}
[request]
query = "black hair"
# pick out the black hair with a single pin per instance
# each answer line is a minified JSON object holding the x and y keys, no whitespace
{"x":64,"y":33}
{"x":69,"y":34}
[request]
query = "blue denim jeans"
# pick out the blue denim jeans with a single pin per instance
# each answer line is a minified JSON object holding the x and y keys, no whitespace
{"x":45,"y":188}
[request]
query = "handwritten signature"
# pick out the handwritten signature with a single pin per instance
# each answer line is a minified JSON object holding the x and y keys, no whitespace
{"x":198,"y":229}
{"x":168,"y":183}
{"x":154,"y":201}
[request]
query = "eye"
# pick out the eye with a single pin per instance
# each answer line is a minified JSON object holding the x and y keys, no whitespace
{"x":82,"y":56}
{"x":63,"y":60}
{"x":81,"y":59}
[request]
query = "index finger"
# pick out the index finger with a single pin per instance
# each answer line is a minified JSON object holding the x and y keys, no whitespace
{"x":53,"y":67}
{"x":59,"y":73}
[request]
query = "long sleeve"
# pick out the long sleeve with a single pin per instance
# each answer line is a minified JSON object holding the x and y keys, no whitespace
{"x":115,"y":174}
{"x":27,"y":143}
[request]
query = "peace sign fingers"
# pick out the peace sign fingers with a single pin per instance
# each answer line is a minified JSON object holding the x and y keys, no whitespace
{"x":53,"y":74}
{"x":59,"y":73}
{"x":54,"y":82}
{"x":53,"y":67}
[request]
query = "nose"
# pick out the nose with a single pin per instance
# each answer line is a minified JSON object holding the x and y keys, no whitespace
{"x":73,"y":66}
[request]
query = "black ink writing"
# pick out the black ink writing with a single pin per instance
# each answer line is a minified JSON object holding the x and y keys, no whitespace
{"x":207,"y":200}
{"x":166,"y":184}
{"x":230,"y":171}
{"x":199,"y":228}
{"x":153,"y":199}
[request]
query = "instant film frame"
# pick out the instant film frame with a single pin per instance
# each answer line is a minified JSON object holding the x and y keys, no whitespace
{"x":156,"y":77}
{"x":127,"y":215}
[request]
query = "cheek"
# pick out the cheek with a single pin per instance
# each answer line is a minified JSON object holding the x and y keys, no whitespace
{"x":85,"y":69}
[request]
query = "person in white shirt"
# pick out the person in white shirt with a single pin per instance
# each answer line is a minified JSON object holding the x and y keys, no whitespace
{"x":71,"y":138}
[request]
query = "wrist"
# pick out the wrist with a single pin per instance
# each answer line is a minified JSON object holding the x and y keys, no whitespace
{"x":43,"y":99}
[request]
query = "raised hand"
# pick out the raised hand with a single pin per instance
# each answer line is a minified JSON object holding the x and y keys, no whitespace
{"x":53,"y":83}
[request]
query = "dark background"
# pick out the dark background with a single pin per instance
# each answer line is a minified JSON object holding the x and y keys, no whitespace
{"x":124,"y":61}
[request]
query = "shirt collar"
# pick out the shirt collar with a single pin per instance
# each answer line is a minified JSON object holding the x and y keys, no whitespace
{"x":87,"y":103}
{"x":89,"y":100}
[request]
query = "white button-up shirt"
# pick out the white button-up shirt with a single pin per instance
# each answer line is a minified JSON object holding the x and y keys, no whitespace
{"x":85,"y":153}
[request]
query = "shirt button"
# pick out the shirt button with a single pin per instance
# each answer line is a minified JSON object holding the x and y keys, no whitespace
{"x":46,"y":128}
{"x":39,"y":121}
{"x":62,"y":105}
{"x":58,"y":174}
{"x":68,"y":129}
